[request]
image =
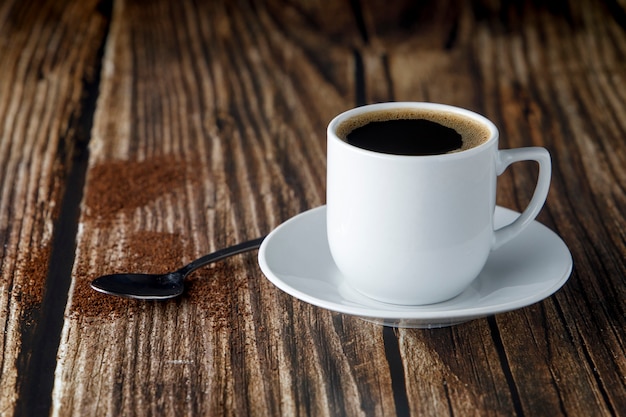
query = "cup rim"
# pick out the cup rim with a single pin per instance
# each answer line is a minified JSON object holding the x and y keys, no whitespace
{"x":337,"y":120}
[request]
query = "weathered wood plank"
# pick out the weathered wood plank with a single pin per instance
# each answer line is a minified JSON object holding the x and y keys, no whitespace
{"x":210,"y":130}
{"x":48,"y":50}
{"x":229,"y":111}
{"x":550,"y":77}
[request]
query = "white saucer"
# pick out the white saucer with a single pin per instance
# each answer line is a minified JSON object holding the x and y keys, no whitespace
{"x":295,"y":257}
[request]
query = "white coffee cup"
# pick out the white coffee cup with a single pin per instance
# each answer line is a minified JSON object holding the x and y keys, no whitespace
{"x":415,"y":230}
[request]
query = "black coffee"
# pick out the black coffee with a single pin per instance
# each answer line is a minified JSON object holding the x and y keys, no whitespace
{"x":413,"y":132}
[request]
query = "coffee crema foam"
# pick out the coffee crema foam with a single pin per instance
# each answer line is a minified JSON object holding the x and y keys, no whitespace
{"x":473,"y":133}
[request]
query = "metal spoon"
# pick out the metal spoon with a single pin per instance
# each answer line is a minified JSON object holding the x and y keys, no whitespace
{"x":163,"y":286}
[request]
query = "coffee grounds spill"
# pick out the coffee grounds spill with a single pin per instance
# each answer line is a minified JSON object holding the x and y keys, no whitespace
{"x":145,"y":252}
{"x":126,"y":185}
{"x":122,"y":186}
{"x":212,"y":289}
{"x":33,"y":271}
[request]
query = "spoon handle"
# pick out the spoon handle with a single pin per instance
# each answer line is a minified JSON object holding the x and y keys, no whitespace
{"x":221,"y":254}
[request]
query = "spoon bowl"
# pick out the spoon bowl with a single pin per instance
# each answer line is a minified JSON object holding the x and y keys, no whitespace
{"x":163,"y":286}
{"x":141,"y":286}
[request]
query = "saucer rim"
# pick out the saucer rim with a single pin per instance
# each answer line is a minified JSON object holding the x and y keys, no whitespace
{"x":420,"y":313}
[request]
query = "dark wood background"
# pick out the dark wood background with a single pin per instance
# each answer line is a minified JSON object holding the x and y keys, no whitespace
{"x":223,"y":105}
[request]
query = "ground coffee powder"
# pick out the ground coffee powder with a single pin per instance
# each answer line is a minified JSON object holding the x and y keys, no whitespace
{"x":145,"y":251}
{"x":34,"y":271}
{"x":122,"y":186}
{"x":118,"y":186}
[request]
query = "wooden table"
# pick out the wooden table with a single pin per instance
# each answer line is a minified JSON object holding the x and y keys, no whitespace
{"x":139,"y":135}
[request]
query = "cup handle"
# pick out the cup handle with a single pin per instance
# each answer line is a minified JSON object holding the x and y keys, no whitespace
{"x":507,"y":157}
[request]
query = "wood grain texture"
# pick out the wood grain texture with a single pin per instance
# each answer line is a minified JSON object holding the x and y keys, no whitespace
{"x":221,"y":94}
{"x":546,"y":77}
{"x":47,"y":52}
{"x":209,"y":129}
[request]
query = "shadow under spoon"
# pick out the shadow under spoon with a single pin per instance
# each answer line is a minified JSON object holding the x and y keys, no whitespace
{"x":164,"y":286}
